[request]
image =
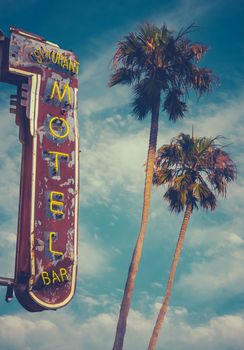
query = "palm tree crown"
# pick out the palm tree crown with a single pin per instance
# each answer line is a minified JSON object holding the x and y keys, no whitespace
{"x":155,"y":60}
{"x":196,"y":169}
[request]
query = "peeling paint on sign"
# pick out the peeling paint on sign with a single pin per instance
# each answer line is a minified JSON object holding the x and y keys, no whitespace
{"x":46,"y":259}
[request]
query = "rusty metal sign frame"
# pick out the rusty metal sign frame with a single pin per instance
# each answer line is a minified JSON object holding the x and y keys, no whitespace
{"x":46,"y":113}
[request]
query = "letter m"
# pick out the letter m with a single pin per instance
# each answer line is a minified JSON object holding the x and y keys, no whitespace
{"x":61,"y":94}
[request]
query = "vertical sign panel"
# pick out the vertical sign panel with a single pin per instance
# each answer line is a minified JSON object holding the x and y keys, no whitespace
{"x":46,"y":258}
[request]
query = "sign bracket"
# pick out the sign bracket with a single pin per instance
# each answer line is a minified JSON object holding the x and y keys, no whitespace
{"x":9,"y":283}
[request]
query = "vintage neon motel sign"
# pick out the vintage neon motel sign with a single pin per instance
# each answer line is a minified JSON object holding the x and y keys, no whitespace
{"x":46,"y":111}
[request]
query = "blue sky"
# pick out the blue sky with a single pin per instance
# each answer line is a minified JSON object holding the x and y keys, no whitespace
{"x":207,"y":304}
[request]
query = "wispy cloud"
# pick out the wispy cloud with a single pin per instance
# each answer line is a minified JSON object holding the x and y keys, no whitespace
{"x":7,"y":253}
{"x":95,"y":95}
{"x":61,"y":330}
{"x":220,"y":266}
{"x":10,"y":164}
{"x":93,"y":259}
{"x":111,"y":160}
{"x":185,"y":13}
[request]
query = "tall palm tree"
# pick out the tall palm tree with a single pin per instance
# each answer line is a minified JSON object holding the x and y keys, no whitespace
{"x":161,"y":67}
{"x":196,"y":170}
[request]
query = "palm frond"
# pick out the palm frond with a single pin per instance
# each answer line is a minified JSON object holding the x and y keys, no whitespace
{"x":141,"y":105}
{"x":145,"y":95}
{"x":202,"y":80}
{"x":174,"y":107}
{"x":162,"y":176}
{"x":208,"y":200}
{"x":122,"y":76}
{"x":191,"y":28}
{"x":174,"y":198}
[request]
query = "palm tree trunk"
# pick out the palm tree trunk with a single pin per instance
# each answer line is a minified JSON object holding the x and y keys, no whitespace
{"x":163,"y":310}
{"x":125,"y":304}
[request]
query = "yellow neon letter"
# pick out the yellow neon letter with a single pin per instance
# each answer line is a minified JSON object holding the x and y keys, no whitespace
{"x":46,"y":53}
{"x":38,"y":55}
{"x":46,"y":280}
{"x":55,"y":58}
{"x":63,"y":273}
{"x":77,"y":67}
{"x":72,"y":65}
{"x":53,"y":202}
{"x":51,"y":235}
{"x":53,"y":132}
{"x":57,"y":154}
{"x":55,"y":276}
{"x":65,"y":63}
{"x":66,"y":88}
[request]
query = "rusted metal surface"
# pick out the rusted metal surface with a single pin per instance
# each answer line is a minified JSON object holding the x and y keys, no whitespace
{"x":46,"y":112}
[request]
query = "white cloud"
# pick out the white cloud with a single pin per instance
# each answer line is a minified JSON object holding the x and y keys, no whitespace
{"x":185,"y":13}
{"x":92,"y":260}
{"x":9,"y":164}
{"x":7,"y":253}
{"x":180,"y":311}
{"x":62,"y":329}
{"x":215,"y":274}
{"x":235,"y":239}
{"x":20,"y":333}
{"x":95,"y":95}
{"x":222,"y":332}
{"x":157,"y":285}
{"x":112,"y":161}
{"x":101,"y":300}
{"x":220,"y":119}
{"x":212,"y":240}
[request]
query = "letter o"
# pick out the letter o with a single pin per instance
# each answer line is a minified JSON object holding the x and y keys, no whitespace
{"x":54,"y":132}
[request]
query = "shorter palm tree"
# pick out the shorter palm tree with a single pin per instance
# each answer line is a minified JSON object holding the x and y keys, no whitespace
{"x":196,"y":170}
